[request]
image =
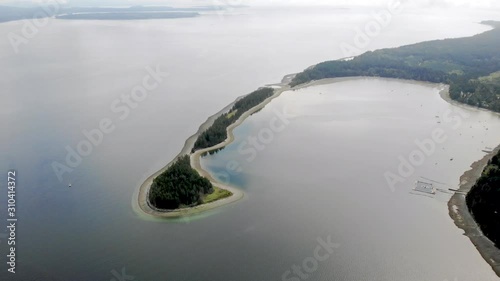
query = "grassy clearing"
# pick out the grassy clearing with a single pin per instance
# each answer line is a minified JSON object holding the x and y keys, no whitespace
{"x":231,"y":114}
{"x":216,"y":195}
{"x":493,"y":78}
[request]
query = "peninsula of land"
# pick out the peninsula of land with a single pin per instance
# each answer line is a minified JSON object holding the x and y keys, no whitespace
{"x":471,"y":68}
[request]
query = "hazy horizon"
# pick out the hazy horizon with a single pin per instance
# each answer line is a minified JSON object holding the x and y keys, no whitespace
{"x":483,"y":4}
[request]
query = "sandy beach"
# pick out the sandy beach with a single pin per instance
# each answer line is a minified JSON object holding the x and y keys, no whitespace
{"x":460,"y":214}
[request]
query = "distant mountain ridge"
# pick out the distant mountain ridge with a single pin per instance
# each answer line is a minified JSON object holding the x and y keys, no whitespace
{"x":470,"y":65}
{"x":8,"y":13}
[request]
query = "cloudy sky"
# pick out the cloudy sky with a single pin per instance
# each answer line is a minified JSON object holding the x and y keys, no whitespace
{"x":420,"y":3}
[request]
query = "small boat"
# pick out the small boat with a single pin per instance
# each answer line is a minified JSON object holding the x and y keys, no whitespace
{"x":69,"y":185}
{"x":487,"y":150}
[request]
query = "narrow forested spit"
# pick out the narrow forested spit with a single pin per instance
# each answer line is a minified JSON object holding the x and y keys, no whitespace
{"x":217,"y":133}
{"x":180,"y":185}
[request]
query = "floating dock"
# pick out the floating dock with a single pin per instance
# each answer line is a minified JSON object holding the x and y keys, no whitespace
{"x":424,"y":187}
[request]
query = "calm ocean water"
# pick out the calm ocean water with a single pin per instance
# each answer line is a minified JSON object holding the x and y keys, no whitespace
{"x":320,"y":177}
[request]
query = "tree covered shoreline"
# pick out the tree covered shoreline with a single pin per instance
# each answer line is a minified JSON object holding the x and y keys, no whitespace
{"x":483,"y":200}
{"x":217,"y":133}
{"x":181,"y":185}
{"x":471,"y":66}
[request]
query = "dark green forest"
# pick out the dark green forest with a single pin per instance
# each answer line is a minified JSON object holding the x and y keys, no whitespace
{"x":483,"y":200}
{"x":469,"y":65}
{"x":217,"y":133}
{"x":180,"y":185}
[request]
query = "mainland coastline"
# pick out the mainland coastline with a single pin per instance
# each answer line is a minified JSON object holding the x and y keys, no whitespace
{"x":457,"y":205}
{"x":463,"y":219}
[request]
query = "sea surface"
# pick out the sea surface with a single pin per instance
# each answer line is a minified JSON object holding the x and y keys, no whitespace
{"x":346,"y":183}
{"x":321,"y":177}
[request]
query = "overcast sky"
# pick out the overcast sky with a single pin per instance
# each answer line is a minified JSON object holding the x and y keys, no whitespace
{"x":420,"y":3}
